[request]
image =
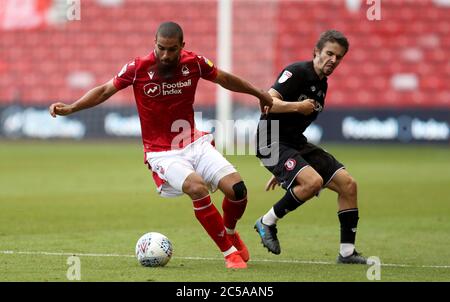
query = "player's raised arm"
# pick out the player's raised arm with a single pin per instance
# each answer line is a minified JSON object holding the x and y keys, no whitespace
{"x":305,"y":107}
{"x":237,"y":84}
{"x":92,"y":98}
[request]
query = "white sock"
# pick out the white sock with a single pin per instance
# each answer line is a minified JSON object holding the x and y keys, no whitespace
{"x":346,"y":249}
{"x":270,"y":218}
{"x":229,"y":231}
{"x":229,"y":251}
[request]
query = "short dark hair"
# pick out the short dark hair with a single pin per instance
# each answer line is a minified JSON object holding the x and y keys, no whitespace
{"x":332,"y":36}
{"x":170,"y":30}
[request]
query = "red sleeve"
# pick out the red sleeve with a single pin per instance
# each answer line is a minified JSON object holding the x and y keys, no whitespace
{"x":207,"y":68}
{"x":126,"y":76}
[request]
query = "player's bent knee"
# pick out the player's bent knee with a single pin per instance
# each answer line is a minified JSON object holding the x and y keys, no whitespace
{"x":240,"y":190}
{"x":313,"y":186}
{"x":195,"y":189}
{"x":318,"y":183}
{"x":351,"y":186}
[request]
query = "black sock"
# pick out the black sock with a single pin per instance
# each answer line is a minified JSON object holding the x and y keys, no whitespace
{"x":287,"y":203}
{"x":349,"y":221}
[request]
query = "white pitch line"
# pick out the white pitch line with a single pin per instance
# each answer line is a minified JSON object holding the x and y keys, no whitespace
{"x":205,"y":258}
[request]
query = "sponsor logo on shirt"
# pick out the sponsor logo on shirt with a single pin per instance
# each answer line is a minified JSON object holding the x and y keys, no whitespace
{"x":302,"y":97}
{"x":207,"y":61}
{"x":124,"y":69}
{"x":318,"y":107}
{"x":153,"y":90}
{"x":285,"y":76}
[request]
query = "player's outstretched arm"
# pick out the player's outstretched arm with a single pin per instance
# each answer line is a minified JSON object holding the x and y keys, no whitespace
{"x":237,"y":84}
{"x":92,"y":98}
{"x":305,"y":107}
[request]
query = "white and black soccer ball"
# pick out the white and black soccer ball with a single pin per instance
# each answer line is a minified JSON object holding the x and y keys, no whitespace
{"x":153,"y":249}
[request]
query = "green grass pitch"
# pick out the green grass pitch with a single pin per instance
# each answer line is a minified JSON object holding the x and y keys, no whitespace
{"x":94,"y":200}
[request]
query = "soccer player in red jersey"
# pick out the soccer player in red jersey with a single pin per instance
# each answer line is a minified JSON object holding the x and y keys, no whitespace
{"x":182,"y":159}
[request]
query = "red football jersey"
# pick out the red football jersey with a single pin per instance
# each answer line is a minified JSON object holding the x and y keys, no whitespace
{"x":165,"y":105}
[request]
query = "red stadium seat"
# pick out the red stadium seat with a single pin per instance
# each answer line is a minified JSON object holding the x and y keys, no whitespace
{"x":412,"y":37}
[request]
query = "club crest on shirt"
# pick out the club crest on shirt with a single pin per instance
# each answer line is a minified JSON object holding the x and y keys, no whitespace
{"x":185,"y":70}
{"x":290,"y":164}
{"x":285,"y":76}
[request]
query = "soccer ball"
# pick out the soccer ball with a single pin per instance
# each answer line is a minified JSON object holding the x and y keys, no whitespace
{"x":153,"y":249}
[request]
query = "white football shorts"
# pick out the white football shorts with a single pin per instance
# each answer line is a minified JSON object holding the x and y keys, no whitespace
{"x":171,"y":168}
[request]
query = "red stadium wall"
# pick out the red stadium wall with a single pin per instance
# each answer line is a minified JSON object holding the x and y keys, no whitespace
{"x":401,"y":60}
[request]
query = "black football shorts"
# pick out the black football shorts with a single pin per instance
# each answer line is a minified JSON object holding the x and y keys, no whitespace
{"x":292,"y":160}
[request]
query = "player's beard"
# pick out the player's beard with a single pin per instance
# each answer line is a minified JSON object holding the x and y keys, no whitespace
{"x":167,"y":70}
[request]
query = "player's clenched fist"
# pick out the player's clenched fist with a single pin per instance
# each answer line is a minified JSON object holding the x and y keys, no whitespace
{"x":307,"y":106}
{"x":59,"y":109}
